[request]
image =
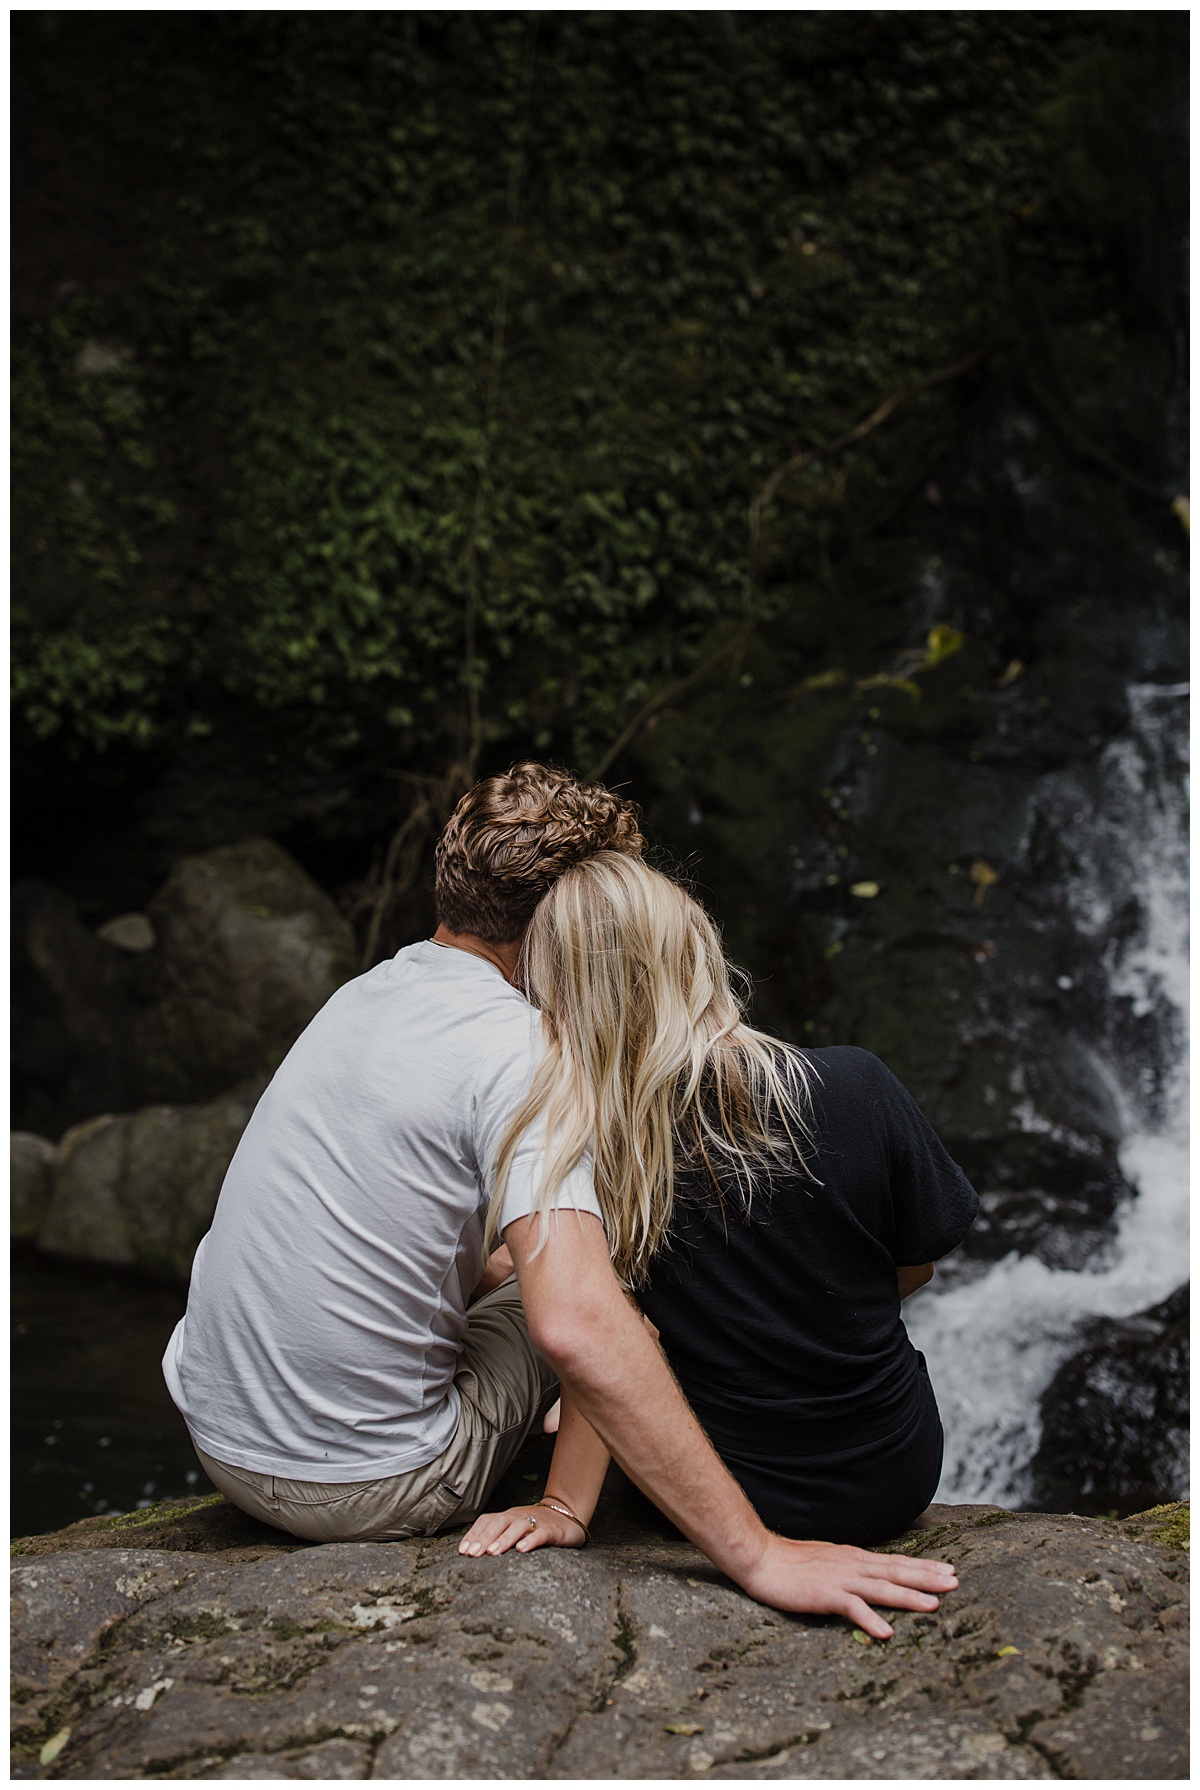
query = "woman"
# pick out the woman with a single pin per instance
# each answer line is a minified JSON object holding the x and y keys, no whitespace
{"x":766,"y":1207}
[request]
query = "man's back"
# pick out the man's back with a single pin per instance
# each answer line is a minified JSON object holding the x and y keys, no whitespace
{"x":328,"y":1301}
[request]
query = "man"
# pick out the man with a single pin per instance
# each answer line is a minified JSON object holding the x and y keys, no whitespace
{"x":331,"y":1375}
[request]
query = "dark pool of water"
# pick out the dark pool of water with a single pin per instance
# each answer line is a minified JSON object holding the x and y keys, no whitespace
{"x":94,"y":1429}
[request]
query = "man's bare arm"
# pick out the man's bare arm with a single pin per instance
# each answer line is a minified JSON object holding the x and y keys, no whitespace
{"x":911,"y":1280}
{"x":581,"y":1321}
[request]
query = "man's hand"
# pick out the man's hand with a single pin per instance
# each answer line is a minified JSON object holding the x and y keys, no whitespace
{"x":619,"y":1379}
{"x":823,"y":1579}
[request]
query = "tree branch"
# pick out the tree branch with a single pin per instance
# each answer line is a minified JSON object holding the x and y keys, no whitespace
{"x":858,"y":433}
{"x":673,"y":692}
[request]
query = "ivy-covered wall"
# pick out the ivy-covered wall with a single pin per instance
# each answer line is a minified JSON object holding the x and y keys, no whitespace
{"x":399,"y":393}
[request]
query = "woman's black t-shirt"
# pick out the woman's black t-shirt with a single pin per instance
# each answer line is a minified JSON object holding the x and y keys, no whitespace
{"x":782,"y":1321}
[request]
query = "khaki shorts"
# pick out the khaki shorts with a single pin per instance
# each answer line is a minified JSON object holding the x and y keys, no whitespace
{"x":504,"y":1386}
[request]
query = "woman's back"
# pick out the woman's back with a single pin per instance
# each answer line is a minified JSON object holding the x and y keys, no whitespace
{"x":781,"y":1317}
{"x":782,"y":1322}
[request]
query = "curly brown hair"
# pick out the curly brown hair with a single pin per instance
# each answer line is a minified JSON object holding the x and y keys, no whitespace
{"x":513,"y":835}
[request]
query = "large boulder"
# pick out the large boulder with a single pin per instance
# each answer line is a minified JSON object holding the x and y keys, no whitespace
{"x":189,"y":1642}
{"x":1115,"y":1416}
{"x":74,"y":1012}
{"x":30,"y":1182}
{"x":139,"y":1189}
{"x":249,"y":948}
{"x":213,"y":985}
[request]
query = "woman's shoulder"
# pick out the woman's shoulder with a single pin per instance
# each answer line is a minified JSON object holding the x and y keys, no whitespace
{"x":845,"y":1064}
{"x":845,"y":1081}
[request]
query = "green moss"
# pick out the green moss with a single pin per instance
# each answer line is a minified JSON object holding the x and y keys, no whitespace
{"x":168,"y":1511}
{"x":1173,"y":1525}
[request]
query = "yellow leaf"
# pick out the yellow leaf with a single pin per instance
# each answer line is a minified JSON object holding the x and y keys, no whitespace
{"x":683,"y":1728}
{"x":1012,"y":671}
{"x":865,"y":891}
{"x":943,"y":642}
{"x":54,"y":1747}
{"x":1182,"y":507}
{"x":862,"y":1636}
{"x":1003,"y":1652}
{"x":983,"y":876}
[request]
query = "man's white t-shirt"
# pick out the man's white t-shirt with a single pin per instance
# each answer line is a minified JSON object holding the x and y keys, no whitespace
{"x":328,"y":1301}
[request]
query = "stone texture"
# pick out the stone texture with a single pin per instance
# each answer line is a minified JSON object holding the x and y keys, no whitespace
{"x":140,"y":1189}
{"x":189,"y":1642}
{"x":30,"y":1168}
{"x":128,"y":932}
{"x":1115,"y":1417}
{"x":84,"y":1216}
{"x":333,"y":1759}
{"x":249,"y":949}
{"x":243,"y":950}
{"x":74,"y":1006}
{"x":208,"y":989}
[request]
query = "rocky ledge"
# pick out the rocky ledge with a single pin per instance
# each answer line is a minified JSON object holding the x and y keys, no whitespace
{"x":188,"y":1642}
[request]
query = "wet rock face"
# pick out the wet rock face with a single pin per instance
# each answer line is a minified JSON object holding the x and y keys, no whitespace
{"x":1037,"y":1197}
{"x":962,"y":997}
{"x":1115,"y":1416}
{"x":239,"y":950}
{"x":1001,"y":822}
{"x":202,"y":1646}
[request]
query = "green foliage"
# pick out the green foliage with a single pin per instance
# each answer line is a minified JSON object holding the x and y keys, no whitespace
{"x":1173,"y":1524}
{"x":87,"y":511}
{"x":429,"y":303}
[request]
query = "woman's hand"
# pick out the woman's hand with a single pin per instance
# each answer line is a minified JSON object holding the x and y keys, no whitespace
{"x":499,"y":1267}
{"x":500,"y":1530}
{"x":911,"y":1280}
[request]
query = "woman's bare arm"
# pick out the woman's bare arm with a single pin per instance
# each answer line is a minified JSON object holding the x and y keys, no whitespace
{"x":579,"y":1318}
{"x":577,"y":1470}
{"x":500,"y":1266}
{"x":910,"y":1280}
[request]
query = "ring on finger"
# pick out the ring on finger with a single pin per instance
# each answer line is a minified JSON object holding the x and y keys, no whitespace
{"x":532,"y":1521}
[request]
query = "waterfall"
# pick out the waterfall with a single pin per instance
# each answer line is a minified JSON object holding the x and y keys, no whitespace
{"x":993,"y":1344}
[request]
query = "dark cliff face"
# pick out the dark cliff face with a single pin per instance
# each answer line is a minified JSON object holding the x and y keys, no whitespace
{"x":903,"y":874}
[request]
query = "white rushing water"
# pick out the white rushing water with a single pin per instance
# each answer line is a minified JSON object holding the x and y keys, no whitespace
{"x":994,"y":1344}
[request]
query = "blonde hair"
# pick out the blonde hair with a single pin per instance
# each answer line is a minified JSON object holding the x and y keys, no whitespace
{"x":649,"y":1065}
